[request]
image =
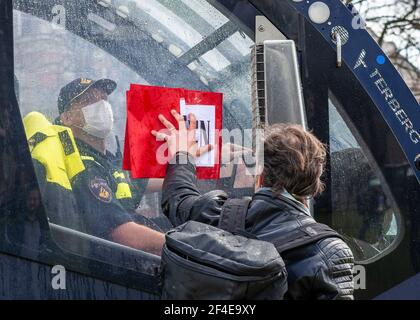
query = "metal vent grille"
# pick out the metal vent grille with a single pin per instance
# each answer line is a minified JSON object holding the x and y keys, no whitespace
{"x":258,"y":91}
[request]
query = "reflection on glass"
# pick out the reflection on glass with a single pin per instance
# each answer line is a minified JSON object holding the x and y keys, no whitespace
{"x":362,"y":212}
{"x":24,"y":228}
{"x":49,"y":56}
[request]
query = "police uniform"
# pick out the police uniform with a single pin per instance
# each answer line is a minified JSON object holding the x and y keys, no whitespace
{"x":56,"y":161}
{"x":105,"y":195}
{"x":81,"y":188}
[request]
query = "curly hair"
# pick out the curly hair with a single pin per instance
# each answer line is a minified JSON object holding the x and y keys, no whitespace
{"x":294,"y":159}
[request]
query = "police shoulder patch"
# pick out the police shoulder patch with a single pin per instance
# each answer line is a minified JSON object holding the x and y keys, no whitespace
{"x":101,"y":190}
{"x":66,"y":142}
{"x":37,"y":138}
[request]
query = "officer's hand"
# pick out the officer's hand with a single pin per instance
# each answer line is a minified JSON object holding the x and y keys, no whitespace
{"x":182,"y":140}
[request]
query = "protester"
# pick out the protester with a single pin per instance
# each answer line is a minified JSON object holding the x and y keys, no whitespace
{"x":293,"y":164}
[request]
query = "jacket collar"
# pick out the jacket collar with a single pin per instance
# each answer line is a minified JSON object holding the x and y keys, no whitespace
{"x":284,"y":196}
{"x":87,"y":150}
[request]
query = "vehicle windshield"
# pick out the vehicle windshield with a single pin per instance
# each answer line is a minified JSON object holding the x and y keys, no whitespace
{"x":191,"y":44}
{"x":188,"y":44}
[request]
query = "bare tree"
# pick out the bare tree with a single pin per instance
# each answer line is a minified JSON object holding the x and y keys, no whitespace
{"x":396,"y":26}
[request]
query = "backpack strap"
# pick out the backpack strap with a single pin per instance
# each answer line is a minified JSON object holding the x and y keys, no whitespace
{"x":232,"y":217}
{"x":305,"y":235}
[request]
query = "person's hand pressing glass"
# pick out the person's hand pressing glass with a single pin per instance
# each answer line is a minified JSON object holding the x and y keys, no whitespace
{"x":183,"y":139}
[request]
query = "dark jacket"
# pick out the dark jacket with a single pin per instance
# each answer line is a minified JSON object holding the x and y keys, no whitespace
{"x":322,"y":270}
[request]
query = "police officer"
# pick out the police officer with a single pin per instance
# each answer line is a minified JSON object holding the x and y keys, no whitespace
{"x":104,"y":193}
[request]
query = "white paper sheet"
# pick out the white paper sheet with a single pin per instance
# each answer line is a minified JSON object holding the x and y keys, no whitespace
{"x":206,"y":129}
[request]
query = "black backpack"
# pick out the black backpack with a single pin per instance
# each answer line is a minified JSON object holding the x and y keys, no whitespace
{"x":202,"y":262}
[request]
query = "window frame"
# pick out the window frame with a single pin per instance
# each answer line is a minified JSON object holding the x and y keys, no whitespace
{"x":144,"y":276}
{"x":384,"y":184}
{"x":316,"y":80}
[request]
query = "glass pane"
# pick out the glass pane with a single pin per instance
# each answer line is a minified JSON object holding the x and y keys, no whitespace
{"x":363,"y":210}
{"x":127,"y":42}
{"x":46,"y":61}
{"x":179,"y":25}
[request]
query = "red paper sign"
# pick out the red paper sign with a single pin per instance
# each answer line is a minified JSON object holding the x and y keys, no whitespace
{"x":142,"y":153}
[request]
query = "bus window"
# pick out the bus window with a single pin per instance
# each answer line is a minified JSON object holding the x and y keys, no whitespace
{"x":188,"y":44}
{"x":363,"y":209}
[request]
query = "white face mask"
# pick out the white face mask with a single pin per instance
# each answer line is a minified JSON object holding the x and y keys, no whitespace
{"x":99,"y":119}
